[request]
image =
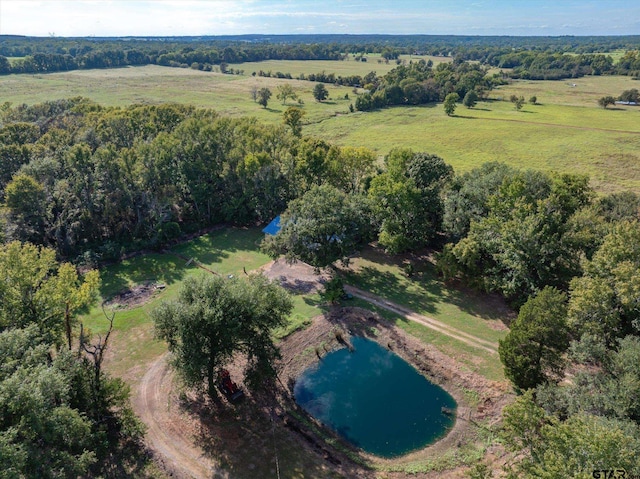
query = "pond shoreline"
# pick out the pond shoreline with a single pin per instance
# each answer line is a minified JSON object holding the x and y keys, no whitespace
{"x":332,"y":330}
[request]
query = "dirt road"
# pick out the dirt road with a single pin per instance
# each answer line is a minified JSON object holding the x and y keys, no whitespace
{"x":175,"y":448}
{"x":424,"y":320}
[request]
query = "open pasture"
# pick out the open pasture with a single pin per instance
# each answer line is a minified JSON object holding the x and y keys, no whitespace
{"x":586,"y":92}
{"x":603,"y":144}
{"x":228,"y":94}
{"x":566,"y":132}
{"x":343,"y":68}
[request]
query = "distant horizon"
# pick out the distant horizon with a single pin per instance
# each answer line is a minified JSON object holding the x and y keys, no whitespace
{"x":180,"y":18}
{"x":318,"y":34}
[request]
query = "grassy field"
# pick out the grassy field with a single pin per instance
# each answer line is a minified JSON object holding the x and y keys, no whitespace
{"x":565,"y":132}
{"x":603,"y":144}
{"x":477,"y":360}
{"x":228,"y":94}
{"x":480,"y":315}
{"x":348,"y":67}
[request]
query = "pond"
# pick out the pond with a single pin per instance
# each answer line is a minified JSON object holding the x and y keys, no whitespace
{"x":375,"y":400}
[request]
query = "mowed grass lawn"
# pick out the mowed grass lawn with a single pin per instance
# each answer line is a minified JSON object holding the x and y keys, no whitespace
{"x":226,"y":252}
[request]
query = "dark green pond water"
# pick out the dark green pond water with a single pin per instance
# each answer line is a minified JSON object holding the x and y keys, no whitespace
{"x":375,"y":400}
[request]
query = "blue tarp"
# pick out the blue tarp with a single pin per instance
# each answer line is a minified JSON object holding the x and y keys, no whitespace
{"x":273,"y":227}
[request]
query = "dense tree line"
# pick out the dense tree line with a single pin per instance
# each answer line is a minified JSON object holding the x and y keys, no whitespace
{"x":93,"y":181}
{"x":530,"y":57}
{"x":35,"y":56}
{"x":61,"y":415}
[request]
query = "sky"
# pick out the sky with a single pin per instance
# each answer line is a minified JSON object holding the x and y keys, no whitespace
{"x":233,"y":17}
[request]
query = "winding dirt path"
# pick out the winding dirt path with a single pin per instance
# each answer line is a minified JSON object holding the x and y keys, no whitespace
{"x":164,"y":435}
{"x":424,"y":320}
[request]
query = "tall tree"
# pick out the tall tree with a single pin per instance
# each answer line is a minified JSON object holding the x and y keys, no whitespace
{"x":502,"y":251}
{"x":285,"y":92}
{"x":604,"y":301}
{"x":25,"y":199}
{"x":320,"y":92}
{"x":321,"y":227}
{"x":264,"y":94}
{"x":548,"y":448}
{"x":292,"y":117}
{"x":406,"y":199}
{"x":351,"y":168}
{"x":470,"y":99}
{"x":532,"y":351}
{"x":37,"y":290}
{"x":215,"y":318}
{"x":450,"y":103}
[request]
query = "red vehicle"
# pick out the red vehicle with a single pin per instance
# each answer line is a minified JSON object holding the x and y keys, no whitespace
{"x":228,"y":387}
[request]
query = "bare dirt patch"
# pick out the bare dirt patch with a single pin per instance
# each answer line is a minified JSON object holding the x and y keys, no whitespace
{"x":134,"y":296}
{"x":299,"y":277}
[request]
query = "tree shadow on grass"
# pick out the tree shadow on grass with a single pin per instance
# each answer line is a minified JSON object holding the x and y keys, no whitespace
{"x":128,"y":460}
{"x":424,"y":289}
{"x":219,"y":245}
{"x":245,"y":438}
{"x":209,"y":249}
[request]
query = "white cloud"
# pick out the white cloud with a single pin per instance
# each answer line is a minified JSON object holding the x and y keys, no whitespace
{"x":216,"y":17}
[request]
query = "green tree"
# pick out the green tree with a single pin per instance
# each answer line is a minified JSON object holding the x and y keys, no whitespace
{"x":470,"y":99}
{"x":632,"y":95}
{"x":264,"y":94}
{"x":533,"y":100}
{"x":41,"y":433}
{"x":545,"y":447}
{"x":38,"y":290}
{"x":320,"y":92}
{"x":350,"y":168}
{"x":292,"y":117}
{"x":604,"y":300}
{"x":606,"y":382}
{"x":26,"y":199}
{"x":285,"y":92}
{"x":504,"y":251}
{"x":333,"y":290}
{"x":532,"y":351}
{"x":406,"y":199}
{"x":215,"y":318}
{"x":605,"y":101}
{"x":519,"y":103}
{"x":450,"y":103}
{"x":467,"y":198}
{"x":321,"y":227}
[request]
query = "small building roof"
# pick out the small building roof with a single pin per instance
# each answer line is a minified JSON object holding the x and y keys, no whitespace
{"x":274,"y":227}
